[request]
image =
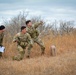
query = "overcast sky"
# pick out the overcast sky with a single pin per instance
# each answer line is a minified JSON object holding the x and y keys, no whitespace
{"x":49,"y":10}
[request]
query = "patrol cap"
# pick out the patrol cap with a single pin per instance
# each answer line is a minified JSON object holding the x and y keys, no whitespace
{"x":2,"y":27}
{"x":23,"y":27}
{"x":28,"y":21}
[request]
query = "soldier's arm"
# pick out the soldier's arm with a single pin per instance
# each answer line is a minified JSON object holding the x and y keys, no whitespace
{"x":1,"y":41}
{"x":38,"y":24}
{"x":15,"y":39}
{"x":29,"y":39}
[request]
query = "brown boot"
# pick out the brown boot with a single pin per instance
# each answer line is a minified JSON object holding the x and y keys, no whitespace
{"x":42,"y":53}
{"x":27,"y":56}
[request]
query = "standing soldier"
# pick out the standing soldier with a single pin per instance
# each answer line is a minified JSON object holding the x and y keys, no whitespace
{"x":32,"y":30}
{"x":2,"y":29}
{"x":23,"y":40}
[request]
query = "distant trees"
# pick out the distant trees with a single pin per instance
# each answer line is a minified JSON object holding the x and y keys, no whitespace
{"x":66,"y":27}
{"x":13,"y":26}
{"x":55,"y":28}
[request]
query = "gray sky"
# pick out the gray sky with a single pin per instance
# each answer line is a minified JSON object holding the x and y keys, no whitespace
{"x":49,"y":10}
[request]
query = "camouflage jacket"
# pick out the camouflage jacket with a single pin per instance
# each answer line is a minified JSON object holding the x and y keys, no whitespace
{"x":22,"y":39}
{"x":1,"y":38}
{"x":33,"y":30}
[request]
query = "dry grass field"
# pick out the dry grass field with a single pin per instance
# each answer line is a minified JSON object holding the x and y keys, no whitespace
{"x":62,"y":64}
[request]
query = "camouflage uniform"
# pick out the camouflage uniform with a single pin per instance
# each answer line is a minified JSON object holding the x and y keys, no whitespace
{"x":1,"y":41}
{"x":34,"y":35}
{"x":23,"y":40}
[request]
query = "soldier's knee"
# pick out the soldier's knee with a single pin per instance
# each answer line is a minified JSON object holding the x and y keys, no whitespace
{"x":20,"y":48}
{"x":22,"y":52}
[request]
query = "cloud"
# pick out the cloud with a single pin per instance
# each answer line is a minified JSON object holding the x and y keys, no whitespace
{"x":48,"y":15}
{"x":47,"y":9}
{"x":35,"y":4}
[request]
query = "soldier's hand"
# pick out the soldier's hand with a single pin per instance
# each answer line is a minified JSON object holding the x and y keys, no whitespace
{"x":41,"y":22}
{"x":14,"y":41}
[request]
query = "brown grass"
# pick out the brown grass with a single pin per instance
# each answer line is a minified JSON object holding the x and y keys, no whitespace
{"x":62,"y":64}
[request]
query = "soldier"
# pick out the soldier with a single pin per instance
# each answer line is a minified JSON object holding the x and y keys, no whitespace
{"x":23,"y":40}
{"x":2,"y":29}
{"x":32,"y":30}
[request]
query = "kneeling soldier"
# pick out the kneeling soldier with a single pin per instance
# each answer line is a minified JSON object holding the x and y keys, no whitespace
{"x":23,"y":40}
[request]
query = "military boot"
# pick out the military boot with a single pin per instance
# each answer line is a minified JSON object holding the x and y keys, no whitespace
{"x":43,"y":50}
{"x":27,"y":56}
{"x":42,"y":53}
{"x":18,"y":58}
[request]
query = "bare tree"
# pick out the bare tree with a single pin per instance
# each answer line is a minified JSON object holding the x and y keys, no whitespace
{"x":66,"y":27}
{"x":13,"y":26}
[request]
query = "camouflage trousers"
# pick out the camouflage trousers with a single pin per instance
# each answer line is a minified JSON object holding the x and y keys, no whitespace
{"x":40,"y":43}
{"x":21,"y":51}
